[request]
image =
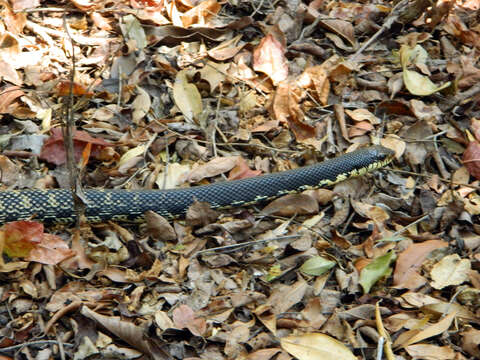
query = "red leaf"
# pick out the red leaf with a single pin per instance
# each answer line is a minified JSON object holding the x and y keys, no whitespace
{"x":51,"y":250}
{"x":26,"y":239}
{"x":269,"y":58}
{"x":471,"y":159}
{"x":184,"y":317}
{"x":54,"y":151}
{"x":242,"y":171}
{"x":21,"y":237}
{"x":63,"y":89}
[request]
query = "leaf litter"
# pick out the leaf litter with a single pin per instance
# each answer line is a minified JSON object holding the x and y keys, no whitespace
{"x":176,"y":94}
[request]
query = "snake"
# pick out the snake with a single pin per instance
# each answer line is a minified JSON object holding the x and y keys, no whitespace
{"x":123,"y":205}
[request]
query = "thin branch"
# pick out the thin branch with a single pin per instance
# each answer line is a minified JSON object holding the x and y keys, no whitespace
{"x":78,"y":196}
{"x":31,"y":343}
{"x":245,"y":244}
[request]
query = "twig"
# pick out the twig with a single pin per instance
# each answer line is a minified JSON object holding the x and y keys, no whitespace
{"x":396,"y":233}
{"x":438,"y":159}
{"x":61,"y":347}
{"x":32,"y":343}
{"x":47,"y":9}
{"x":395,"y":13}
{"x":403,"y":12}
{"x":428,"y":176}
{"x":244,"y":244}
{"x":308,"y":30}
{"x":78,"y":196}
{"x":384,"y":336}
{"x":450,"y":102}
{"x":381,"y":340}
{"x":228,"y":144}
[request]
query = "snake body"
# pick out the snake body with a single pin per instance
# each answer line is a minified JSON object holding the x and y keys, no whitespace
{"x":56,"y":205}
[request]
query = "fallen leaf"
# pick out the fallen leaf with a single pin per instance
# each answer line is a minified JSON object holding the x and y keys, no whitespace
{"x":20,"y":237}
{"x":201,"y":14}
{"x":212,"y":168}
{"x":471,"y":159}
{"x":413,"y":336}
{"x":313,"y":346}
{"x":184,"y":318}
{"x":7,"y":98}
{"x":53,"y":149}
{"x":242,"y":171}
{"x":471,"y":342}
{"x":269,"y":58}
{"x":416,"y":83}
{"x":450,"y":270}
{"x":141,"y":105}
{"x":128,"y":332}
{"x":63,"y":89}
{"x":292,"y":204}
{"x":317,"y":266}
{"x":377,"y":269}
{"x":187,"y":97}
{"x":409,"y":262}
{"x":430,"y":352}
{"x":285,"y":108}
{"x":52,"y":250}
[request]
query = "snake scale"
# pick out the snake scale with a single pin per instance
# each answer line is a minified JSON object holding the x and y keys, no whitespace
{"x":56,"y":205}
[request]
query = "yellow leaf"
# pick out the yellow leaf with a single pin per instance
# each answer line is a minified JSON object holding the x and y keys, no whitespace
{"x":429,"y":331}
{"x":420,"y":85}
{"x":187,"y":97}
{"x":314,"y":346}
{"x":136,"y":151}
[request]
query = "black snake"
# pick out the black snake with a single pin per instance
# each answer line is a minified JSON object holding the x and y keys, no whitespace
{"x":56,"y":205}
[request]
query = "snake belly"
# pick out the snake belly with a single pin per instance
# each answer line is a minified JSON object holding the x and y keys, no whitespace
{"x":56,"y":205}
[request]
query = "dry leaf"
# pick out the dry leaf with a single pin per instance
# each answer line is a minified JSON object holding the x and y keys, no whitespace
{"x":187,"y":97}
{"x":313,"y":346}
{"x":269,"y":58}
{"x":451,"y":270}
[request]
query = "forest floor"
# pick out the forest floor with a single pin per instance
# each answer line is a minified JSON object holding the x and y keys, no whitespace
{"x":167,"y":94}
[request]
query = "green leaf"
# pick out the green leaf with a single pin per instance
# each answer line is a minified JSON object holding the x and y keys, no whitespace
{"x":317,"y":266}
{"x":377,"y":269}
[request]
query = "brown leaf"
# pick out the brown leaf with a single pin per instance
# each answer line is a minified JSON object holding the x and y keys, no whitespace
{"x":285,"y":108}
{"x":471,"y":159}
{"x":214,"y":167}
{"x":20,"y":237}
{"x":159,"y":227}
{"x":53,"y":149}
{"x":128,"y":332}
{"x":410,"y":260}
{"x":285,"y":296}
{"x":52,"y":250}
{"x":200,"y":213}
{"x":414,"y":336}
{"x":7,"y":97}
{"x":315,"y":78}
{"x":292,"y":204}
{"x":242,"y":171}
{"x":187,"y":97}
{"x":316,"y":346}
{"x":471,"y":342}
{"x":184,"y":318}
{"x":63,"y":89}
{"x":269,"y":58}
{"x":201,"y":13}
{"x":9,"y":173}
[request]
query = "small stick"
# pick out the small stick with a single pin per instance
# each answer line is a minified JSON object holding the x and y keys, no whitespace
{"x":78,"y":196}
{"x":32,"y":343}
{"x":248,"y":243}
